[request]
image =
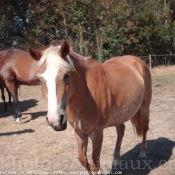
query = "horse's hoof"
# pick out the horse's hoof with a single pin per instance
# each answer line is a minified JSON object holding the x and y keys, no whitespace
{"x":14,"y":117}
{"x":115,"y":163}
{"x":142,"y":154}
{"x":100,"y":172}
{"x":18,"y":120}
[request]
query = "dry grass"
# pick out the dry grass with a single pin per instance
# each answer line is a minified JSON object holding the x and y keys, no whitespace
{"x":164,"y":79}
{"x":162,"y":70}
{"x":163,"y":75}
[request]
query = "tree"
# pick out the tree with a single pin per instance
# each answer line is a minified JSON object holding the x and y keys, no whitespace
{"x":99,"y":28}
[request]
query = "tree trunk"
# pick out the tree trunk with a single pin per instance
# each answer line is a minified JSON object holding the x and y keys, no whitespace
{"x":81,"y":40}
{"x":99,"y":42}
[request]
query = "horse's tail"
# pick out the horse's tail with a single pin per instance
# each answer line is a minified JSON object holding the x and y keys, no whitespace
{"x":140,"y":121}
{"x":136,"y":122}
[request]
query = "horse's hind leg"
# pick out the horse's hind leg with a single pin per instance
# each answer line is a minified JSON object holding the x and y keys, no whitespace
{"x":144,"y":111}
{"x":12,"y":87}
{"x":3,"y":98}
{"x":120,"y":133}
{"x":144,"y":126}
{"x":9,"y":96}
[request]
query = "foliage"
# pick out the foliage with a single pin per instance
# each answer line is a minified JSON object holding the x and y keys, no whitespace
{"x":99,"y":28}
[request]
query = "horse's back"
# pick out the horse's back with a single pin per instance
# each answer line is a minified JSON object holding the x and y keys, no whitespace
{"x":18,"y":64}
{"x":12,"y":53}
{"x":126,"y":61}
{"x":124,"y":64}
{"x":11,"y":57}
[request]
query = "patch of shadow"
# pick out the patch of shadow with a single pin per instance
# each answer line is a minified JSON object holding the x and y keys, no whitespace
{"x":158,"y":153}
{"x":17,"y":132}
{"x":24,"y":106}
{"x":27,"y":104}
{"x":35,"y":115}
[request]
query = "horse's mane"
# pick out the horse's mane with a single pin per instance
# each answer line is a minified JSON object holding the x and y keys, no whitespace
{"x":79,"y":56}
{"x":54,"y":62}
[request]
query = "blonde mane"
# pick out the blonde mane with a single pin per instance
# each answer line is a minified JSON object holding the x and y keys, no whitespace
{"x":54,"y":62}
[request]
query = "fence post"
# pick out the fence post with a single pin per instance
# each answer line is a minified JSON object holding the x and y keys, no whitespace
{"x":150,"y":61}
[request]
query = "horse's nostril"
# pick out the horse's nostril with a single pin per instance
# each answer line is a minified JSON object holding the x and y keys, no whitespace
{"x":61,"y":118}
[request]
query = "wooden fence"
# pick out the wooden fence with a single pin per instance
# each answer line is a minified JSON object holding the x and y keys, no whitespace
{"x":159,"y":60}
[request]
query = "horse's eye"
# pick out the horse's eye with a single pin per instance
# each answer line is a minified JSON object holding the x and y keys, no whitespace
{"x":66,"y":76}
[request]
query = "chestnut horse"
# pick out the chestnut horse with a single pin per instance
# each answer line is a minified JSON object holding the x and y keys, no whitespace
{"x":94,"y":96}
{"x":17,"y":67}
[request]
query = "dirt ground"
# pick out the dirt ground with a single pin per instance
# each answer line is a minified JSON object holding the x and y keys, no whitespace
{"x":33,"y":147}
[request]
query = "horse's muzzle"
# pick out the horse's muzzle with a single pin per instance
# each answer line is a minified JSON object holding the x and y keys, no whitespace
{"x":59,"y":125}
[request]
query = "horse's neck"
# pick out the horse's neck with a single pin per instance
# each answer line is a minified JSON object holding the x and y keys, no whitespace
{"x":78,"y":81}
{"x":87,"y":73}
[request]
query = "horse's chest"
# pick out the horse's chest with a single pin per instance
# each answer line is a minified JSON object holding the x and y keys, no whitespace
{"x":82,"y":123}
{"x":82,"y":126}
{"x":83,"y":118}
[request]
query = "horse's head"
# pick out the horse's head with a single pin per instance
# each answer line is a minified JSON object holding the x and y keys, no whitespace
{"x":54,"y":66}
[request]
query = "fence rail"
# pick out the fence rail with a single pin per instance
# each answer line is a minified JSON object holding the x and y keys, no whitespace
{"x":159,"y":60}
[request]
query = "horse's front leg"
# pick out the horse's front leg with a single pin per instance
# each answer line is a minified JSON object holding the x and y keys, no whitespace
{"x":82,"y":140}
{"x":13,"y":90}
{"x":97,"y":139}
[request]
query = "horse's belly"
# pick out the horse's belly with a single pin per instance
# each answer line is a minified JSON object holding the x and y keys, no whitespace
{"x":122,"y":113}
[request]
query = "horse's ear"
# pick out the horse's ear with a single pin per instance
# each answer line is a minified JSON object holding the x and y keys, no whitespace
{"x":34,"y":53}
{"x":64,"y":50}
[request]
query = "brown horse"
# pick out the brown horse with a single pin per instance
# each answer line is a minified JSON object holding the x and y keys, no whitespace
{"x":17,"y":67}
{"x":94,"y":96}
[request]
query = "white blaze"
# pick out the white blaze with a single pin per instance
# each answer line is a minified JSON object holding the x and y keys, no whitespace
{"x":50,"y":77}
